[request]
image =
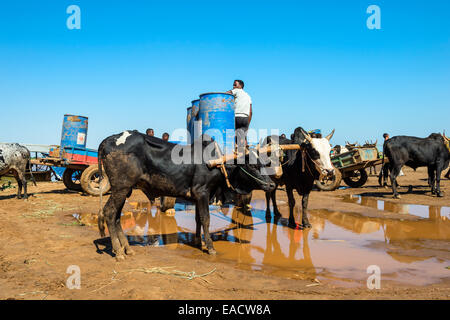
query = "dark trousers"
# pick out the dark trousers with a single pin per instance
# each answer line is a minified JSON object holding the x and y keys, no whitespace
{"x":241,"y":125}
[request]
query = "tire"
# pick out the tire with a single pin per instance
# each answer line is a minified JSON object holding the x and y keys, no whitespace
{"x":71,"y":179}
{"x":90,"y":184}
{"x":332,"y":184}
{"x":358,"y":180}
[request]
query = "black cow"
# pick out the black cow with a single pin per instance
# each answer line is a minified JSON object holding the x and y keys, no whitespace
{"x":416,"y":152}
{"x":300,"y":169}
{"x":132,"y":159}
{"x":15,"y":158}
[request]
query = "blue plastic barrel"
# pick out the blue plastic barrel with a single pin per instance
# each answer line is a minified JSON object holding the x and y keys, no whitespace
{"x":216,"y":112}
{"x":189,"y":124}
{"x":74,"y":132}
{"x":194,"y":129}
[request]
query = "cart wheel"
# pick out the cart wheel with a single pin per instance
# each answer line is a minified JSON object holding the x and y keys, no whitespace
{"x":90,"y":181}
{"x":71,"y":179}
{"x":330,"y":184}
{"x":358,"y":179}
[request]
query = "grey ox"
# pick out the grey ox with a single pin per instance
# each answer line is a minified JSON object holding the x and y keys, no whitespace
{"x":15,"y":158}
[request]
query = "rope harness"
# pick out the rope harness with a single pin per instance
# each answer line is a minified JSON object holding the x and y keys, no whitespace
{"x":225,"y":174}
{"x":280,"y":155}
{"x":250,"y":175}
{"x":305,"y":164}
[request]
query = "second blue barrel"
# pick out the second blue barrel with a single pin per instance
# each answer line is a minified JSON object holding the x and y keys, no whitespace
{"x":216,"y":112}
{"x":195,"y":129}
{"x":189,"y":124}
{"x":74,"y":132}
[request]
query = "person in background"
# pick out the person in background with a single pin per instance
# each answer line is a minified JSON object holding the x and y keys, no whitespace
{"x":283,"y":136}
{"x":380,"y":176}
{"x":315,"y":133}
{"x":243,"y":111}
{"x":162,"y":200}
{"x":150,"y":132}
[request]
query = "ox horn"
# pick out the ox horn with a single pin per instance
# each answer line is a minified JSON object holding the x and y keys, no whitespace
{"x":443,"y":134}
{"x":307,"y":136}
{"x":328,"y":137}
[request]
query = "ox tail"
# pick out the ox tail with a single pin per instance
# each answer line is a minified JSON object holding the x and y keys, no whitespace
{"x":31,"y":173}
{"x":101,"y":217}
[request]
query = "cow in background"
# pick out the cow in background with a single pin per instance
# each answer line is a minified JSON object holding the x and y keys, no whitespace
{"x":431,"y":152}
{"x":14,"y":159}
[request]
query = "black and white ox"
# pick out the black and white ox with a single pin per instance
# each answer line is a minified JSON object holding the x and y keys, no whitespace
{"x":14,"y":159}
{"x":132,"y":159}
{"x":300,"y":169}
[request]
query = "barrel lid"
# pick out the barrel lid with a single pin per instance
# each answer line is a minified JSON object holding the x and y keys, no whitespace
{"x":74,"y":115}
{"x":203,"y":94}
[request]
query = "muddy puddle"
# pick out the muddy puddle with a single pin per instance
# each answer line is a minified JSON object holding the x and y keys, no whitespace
{"x":338,"y":248}
{"x":422,"y":211}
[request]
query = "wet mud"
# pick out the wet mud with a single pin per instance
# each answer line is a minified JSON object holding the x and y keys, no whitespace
{"x":338,"y":248}
{"x":258,"y":257}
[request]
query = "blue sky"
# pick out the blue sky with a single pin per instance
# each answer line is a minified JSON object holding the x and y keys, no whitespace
{"x":135,"y":65}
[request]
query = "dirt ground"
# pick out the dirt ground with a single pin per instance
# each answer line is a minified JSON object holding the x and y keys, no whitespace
{"x":40,"y":239}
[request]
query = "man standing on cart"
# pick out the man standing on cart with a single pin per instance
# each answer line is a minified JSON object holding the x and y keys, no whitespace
{"x":243,"y":111}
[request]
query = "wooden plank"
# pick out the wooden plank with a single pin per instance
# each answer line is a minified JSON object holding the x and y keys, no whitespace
{"x":232,"y":156}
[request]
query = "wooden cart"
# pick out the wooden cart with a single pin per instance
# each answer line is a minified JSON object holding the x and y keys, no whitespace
{"x":81,"y":168}
{"x":351,"y":167}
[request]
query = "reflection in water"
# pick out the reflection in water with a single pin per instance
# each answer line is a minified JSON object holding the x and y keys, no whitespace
{"x":394,"y":207}
{"x":392,"y":229}
{"x":338,"y":246}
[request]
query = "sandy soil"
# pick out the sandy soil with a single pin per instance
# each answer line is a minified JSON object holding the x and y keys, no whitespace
{"x":40,"y":239}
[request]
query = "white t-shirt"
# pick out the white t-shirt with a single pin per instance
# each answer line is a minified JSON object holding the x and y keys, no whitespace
{"x":242,"y":103}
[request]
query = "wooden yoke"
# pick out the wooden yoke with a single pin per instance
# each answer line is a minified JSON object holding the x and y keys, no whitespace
{"x":223,"y":159}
